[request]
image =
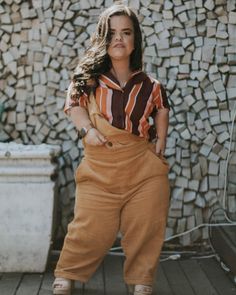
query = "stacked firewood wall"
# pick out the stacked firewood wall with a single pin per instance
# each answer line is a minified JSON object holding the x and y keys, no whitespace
{"x":190,"y":46}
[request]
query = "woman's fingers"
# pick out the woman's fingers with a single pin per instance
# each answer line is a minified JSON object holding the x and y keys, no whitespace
{"x":94,"y":137}
{"x":160,"y":147}
{"x":102,"y":138}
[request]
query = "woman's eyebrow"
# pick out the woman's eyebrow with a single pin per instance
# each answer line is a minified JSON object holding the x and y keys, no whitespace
{"x":124,"y":29}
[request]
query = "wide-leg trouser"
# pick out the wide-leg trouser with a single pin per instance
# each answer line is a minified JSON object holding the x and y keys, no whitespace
{"x":121,"y":186}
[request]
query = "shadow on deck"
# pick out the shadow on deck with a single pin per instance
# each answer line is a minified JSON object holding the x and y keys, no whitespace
{"x":182,"y":277}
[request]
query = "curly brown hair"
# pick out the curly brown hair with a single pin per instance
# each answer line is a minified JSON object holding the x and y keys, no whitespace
{"x":96,"y":61}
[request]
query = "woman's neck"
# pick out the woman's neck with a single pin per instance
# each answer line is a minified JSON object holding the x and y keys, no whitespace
{"x":121,"y":71}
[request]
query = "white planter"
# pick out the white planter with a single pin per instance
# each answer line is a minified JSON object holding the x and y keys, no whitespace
{"x":27,"y":196}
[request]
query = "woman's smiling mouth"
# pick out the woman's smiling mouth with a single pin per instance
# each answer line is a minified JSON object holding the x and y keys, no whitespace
{"x":119,"y":45}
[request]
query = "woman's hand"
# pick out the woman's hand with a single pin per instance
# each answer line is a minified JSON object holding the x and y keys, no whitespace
{"x":94,"y":137}
{"x":160,"y":146}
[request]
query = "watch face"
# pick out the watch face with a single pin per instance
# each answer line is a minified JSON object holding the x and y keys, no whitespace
{"x":83,"y":132}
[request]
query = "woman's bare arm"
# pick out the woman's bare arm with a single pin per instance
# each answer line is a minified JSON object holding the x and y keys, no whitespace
{"x":80,"y":119}
{"x":162,"y":123}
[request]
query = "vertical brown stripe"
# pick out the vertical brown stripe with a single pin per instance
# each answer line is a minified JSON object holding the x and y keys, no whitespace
{"x":118,"y":109}
{"x":141,"y":103}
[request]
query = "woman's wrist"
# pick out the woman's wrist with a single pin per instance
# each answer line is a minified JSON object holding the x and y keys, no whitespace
{"x":92,"y":128}
{"x":161,"y":138}
{"x":85,"y":129}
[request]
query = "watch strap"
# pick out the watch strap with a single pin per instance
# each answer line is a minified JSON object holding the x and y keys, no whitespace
{"x":84,"y":130}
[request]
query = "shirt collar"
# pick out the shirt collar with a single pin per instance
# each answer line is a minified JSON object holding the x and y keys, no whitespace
{"x":110,"y":80}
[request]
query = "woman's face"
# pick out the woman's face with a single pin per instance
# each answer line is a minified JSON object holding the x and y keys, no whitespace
{"x":122,"y":37}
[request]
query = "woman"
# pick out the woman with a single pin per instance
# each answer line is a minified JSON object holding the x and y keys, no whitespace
{"x":122,"y":182}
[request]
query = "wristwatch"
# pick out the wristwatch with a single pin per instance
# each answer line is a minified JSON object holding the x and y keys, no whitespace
{"x":84,"y":130}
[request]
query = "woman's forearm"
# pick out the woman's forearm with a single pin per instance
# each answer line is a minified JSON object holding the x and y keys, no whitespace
{"x":80,"y":117}
{"x":162,"y":123}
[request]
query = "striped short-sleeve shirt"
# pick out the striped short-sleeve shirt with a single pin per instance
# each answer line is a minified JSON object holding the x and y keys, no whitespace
{"x":130,"y":107}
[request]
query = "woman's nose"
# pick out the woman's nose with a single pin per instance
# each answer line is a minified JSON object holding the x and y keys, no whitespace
{"x":118,"y":37}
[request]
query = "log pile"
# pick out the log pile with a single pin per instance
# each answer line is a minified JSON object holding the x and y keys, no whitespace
{"x":189,"y":47}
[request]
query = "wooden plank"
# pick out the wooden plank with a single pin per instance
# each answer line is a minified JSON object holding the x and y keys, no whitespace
{"x":30,"y":284}
{"x":224,"y":243}
{"x":115,"y":284}
{"x":48,"y":276}
{"x":46,"y":287}
{"x":177,"y":279}
{"x":197,"y":278}
{"x":217,"y":276}
{"x":9,"y":283}
{"x":161,"y":286}
{"x":184,"y":277}
{"x":95,"y":284}
{"x":78,"y":288}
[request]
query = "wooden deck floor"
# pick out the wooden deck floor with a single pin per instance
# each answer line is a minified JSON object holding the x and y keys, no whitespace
{"x":182,"y":277}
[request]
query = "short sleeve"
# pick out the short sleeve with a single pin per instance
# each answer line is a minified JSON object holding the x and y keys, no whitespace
{"x":159,"y":96}
{"x":74,"y":100}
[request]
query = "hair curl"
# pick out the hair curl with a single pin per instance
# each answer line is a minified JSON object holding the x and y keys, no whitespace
{"x":96,"y":61}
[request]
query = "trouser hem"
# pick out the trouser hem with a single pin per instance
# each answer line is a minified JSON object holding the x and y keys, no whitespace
{"x":71,"y":276}
{"x":143,"y":281}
